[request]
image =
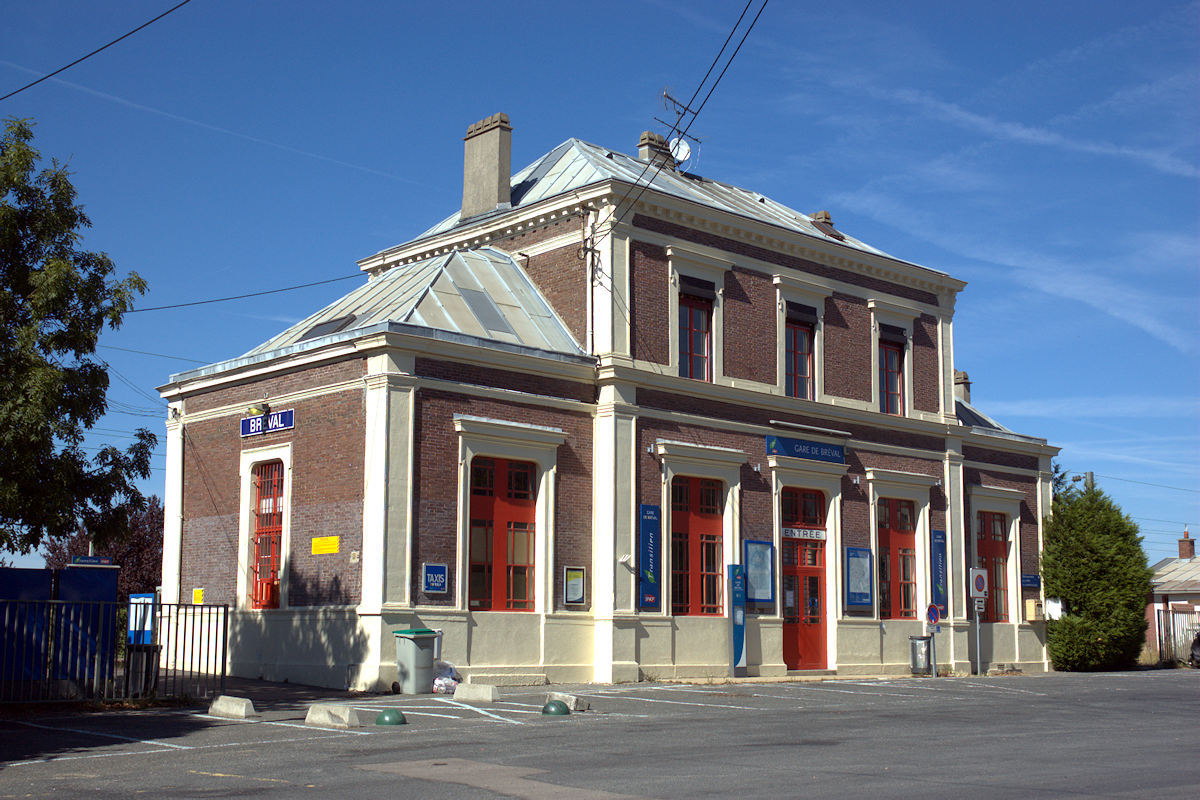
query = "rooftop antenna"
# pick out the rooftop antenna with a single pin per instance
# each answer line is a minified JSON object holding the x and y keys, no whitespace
{"x":681,"y":151}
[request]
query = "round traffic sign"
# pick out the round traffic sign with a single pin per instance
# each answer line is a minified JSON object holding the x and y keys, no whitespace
{"x":980,"y":582}
{"x":932,"y":614}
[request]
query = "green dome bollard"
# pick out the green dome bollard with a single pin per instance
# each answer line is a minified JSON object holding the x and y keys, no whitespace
{"x":391,"y":716}
{"x":556,"y":708}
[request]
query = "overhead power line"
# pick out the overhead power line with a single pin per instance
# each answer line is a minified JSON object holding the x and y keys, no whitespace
{"x":148,"y":353}
{"x":94,"y":52}
{"x":243,"y":296}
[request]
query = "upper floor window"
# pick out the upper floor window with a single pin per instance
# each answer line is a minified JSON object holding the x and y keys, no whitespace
{"x":695,"y":329}
{"x":798,"y":351}
{"x":891,"y":369}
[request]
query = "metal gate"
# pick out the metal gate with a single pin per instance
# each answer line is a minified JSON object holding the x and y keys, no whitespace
{"x":64,"y":650}
{"x":1176,"y":629}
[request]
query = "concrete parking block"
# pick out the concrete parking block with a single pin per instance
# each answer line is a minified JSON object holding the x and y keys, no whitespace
{"x":476,"y":693}
{"x":232,"y":707}
{"x":334,"y":715}
{"x":572,"y":702}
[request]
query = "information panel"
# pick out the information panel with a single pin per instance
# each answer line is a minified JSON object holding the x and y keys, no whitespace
{"x":859,"y":594}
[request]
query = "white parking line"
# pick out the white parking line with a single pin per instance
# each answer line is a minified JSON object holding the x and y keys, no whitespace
{"x":479,"y":711}
{"x":316,"y":727}
{"x":675,"y":702}
{"x":1001,"y":688}
{"x":104,"y":735}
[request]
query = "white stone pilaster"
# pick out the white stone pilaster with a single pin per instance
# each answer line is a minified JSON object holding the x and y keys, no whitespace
{"x":173,"y":508}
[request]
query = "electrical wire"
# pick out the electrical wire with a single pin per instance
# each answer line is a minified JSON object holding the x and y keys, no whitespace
{"x":1144,"y":483}
{"x":148,"y":353}
{"x":243,"y":296}
{"x":94,"y":52}
{"x":1081,"y":476}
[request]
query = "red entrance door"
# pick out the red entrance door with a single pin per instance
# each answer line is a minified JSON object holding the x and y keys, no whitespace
{"x":804,"y":604}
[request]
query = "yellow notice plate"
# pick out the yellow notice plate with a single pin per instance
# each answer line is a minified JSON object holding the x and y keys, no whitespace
{"x":197,"y":597}
{"x":322,"y":545}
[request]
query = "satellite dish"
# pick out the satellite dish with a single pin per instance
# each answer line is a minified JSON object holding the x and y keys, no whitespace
{"x":681,"y":151}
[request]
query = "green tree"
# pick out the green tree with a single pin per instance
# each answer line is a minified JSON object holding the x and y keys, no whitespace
{"x":138,"y":553}
{"x":1093,"y":560}
{"x":55,"y":298}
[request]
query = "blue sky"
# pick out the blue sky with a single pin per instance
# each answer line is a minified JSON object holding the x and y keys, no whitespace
{"x":1047,"y":153}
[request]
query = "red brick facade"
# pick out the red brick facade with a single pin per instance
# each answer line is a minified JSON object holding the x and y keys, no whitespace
{"x":784,"y":260}
{"x":650,"y":303}
{"x":751,"y":328}
{"x":435,"y":492}
{"x":561,"y":275}
{"x":847,"y":351}
{"x":326,"y":494}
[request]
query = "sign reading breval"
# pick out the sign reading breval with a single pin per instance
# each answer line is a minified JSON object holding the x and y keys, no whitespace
{"x":269,"y":423}
{"x":802,"y":448}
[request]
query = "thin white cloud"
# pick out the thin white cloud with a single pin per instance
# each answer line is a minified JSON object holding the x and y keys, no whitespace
{"x":1026,"y":134}
{"x":112,"y":98}
{"x":1157,"y":314}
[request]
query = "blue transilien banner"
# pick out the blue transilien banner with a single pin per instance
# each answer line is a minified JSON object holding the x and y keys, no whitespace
{"x":938,"y":571}
{"x":649,"y":548}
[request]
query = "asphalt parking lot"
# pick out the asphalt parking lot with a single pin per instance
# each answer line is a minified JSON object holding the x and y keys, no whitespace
{"x":1131,"y":734}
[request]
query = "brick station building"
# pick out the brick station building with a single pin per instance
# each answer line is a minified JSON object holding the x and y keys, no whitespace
{"x":548,"y":425}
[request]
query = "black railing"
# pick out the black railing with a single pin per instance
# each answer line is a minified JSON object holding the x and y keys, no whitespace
{"x":63,"y":650}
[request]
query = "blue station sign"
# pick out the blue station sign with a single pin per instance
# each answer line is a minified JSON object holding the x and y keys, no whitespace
{"x":435,"y":578}
{"x":1031,"y":580}
{"x":269,"y":423}
{"x":802,"y":448}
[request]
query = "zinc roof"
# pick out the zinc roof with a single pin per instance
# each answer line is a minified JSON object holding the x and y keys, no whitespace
{"x":576,"y":163}
{"x":1176,"y":575}
{"x":482,"y":293}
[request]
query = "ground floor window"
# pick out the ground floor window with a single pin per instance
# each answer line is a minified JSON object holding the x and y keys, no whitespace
{"x":991,"y":553}
{"x":501,"y":546}
{"x":897,"y":543}
{"x":697,"y":515}
{"x":267,"y":533}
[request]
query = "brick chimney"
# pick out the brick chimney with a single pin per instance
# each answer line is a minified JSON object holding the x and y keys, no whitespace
{"x":962,"y":386}
{"x":487,"y":166}
{"x":1187,"y":547}
{"x":652,"y":147}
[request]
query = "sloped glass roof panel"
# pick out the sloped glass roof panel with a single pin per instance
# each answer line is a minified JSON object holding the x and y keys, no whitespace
{"x":482,"y":293}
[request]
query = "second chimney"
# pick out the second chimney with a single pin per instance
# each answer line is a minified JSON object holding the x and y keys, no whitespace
{"x":962,"y":386}
{"x":652,"y":147}
{"x":1187,"y":547}
{"x":487,"y":166}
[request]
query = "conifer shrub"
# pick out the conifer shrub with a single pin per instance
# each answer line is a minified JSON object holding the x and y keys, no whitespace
{"x":1093,"y":561}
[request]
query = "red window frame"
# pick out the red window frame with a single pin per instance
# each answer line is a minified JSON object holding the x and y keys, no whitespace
{"x":267,"y":535}
{"x":891,"y":378}
{"x":799,"y":360}
{"x":803,"y":508}
{"x":695,"y":337}
{"x":896,"y":521}
{"x":697,"y":518}
{"x":501,"y":535}
{"x":991,"y":553}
